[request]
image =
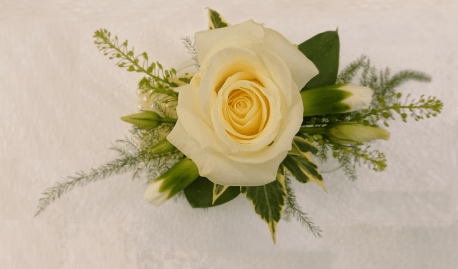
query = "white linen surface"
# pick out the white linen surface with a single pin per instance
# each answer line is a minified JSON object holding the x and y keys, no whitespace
{"x":61,"y":100}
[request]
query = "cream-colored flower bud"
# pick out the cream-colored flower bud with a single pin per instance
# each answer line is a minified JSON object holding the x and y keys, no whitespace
{"x":171,"y":182}
{"x":152,"y":194}
{"x":349,"y":133}
{"x":360,"y":97}
{"x":338,"y":98}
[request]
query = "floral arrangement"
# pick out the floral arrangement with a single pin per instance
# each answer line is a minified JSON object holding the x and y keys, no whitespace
{"x":258,"y":113}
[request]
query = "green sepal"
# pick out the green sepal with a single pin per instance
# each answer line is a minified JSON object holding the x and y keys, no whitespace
{"x":323,"y":51}
{"x":162,"y":147}
{"x":178,"y":177}
{"x":301,"y":166}
{"x":215,"y":20}
{"x":147,"y":119}
{"x":325,"y":100}
{"x":268,"y":200}
{"x":200,"y":193}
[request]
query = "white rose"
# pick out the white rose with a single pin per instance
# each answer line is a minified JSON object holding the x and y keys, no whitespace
{"x":237,"y":118}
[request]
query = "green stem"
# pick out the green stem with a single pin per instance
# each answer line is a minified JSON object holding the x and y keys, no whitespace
{"x":312,"y":130}
{"x":392,"y":107}
{"x":169,"y":120}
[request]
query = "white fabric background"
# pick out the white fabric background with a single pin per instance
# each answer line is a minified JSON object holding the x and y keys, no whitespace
{"x":61,"y":99}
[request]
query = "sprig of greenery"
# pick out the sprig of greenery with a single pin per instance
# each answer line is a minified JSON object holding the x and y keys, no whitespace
{"x":118,"y":166}
{"x":157,"y":80}
{"x":189,"y":44}
{"x":133,"y":156}
{"x":349,"y":72}
{"x":423,"y":108}
{"x":385,"y":99}
{"x":375,"y":160}
{"x":348,"y":166}
{"x":385,"y":104}
{"x":146,"y":85}
{"x":292,"y":209}
{"x":348,"y":155}
{"x":384,"y":85}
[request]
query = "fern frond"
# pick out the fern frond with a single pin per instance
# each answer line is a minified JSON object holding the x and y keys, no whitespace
{"x":292,"y":209}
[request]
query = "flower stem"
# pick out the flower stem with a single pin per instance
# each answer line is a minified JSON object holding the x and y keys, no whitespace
{"x":312,"y":130}
{"x":169,"y":120}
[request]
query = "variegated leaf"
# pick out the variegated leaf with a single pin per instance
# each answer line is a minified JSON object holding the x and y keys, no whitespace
{"x":268,"y":200}
{"x":200,"y":193}
{"x":303,"y":169}
{"x":218,"y":190}
{"x":304,"y":146}
{"x":215,"y":20}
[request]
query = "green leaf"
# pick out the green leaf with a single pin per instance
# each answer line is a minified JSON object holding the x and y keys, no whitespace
{"x":200,"y":193}
{"x":147,"y":120}
{"x":218,"y":190}
{"x":304,"y":146}
{"x":302,"y":168}
{"x":323,"y":51}
{"x":215,"y":20}
{"x":268,"y":200}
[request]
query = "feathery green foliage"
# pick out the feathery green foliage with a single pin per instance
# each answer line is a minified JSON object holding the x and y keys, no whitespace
{"x":349,"y":72}
{"x":292,"y":209}
{"x":157,"y":80}
{"x":124,"y":164}
{"x":424,"y":108}
{"x":189,"y":44}
{"x":348,"y":167}
{"x":385,"y":104}
{"x":133,"y":156}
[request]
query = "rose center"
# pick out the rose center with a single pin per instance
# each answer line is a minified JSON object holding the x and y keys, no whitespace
{"x":247,"y":109}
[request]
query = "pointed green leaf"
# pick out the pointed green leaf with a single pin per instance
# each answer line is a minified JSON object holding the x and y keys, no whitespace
{"x":218,"y":190}
{"x":303,"y":169}
{"x":268,"y":200}
{"x":200,"y":193}
{"x":215,"y":20}
{"x":323,"y":51}
{"x":304,"y":146}
{"x":147,"y":119}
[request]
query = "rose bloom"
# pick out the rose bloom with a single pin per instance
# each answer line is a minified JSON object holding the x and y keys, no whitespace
{"x":238,"y":116}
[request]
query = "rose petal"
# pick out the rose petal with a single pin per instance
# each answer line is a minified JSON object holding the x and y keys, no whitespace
{"x":221,"y":67}
{"x":240,"y":142}
{"x":301,"y":68}
{"x":191,"y":117}
{"x":218,"y":168}
{"x":206,"y":41}
{"x":288,"y":127}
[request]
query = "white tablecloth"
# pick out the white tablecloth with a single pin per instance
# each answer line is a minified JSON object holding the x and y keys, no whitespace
{"x":61,"y":100}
